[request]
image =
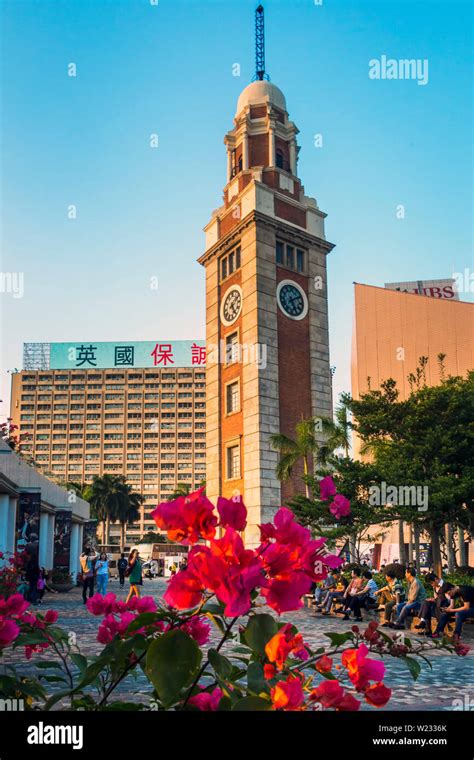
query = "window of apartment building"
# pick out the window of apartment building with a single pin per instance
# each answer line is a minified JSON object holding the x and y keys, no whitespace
{"x":233,"y":461}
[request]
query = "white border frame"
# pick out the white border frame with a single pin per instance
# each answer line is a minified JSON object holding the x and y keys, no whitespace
{"x":223,"y":299}
{"x":303,"y":295}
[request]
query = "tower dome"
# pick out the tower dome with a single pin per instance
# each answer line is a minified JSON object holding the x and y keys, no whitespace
{"x":260,"y":92}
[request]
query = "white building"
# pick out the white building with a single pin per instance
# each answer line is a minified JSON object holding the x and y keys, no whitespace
{"x":20,"y":482}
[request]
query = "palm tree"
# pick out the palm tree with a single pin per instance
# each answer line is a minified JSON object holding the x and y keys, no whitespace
{"x":104,"y":495}
{"x":305,"y":446}
{"x":338,"y":431}
{"x":128,"y":510}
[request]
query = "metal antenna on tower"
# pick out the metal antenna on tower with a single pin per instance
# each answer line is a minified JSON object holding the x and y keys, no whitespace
{"x":260,"y":45}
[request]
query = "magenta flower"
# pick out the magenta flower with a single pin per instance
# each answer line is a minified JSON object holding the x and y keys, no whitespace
{"x":232,"y":512}
{"x":207,"y":701}
{"x":340,"y":507}
{"x":8,"y":632}
{"x":327,"y":488}
{"x":198,"y":628}
{"x":144,"y":604}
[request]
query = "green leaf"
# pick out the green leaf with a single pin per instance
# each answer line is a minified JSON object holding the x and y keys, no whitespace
{"x":252,"y":704}
{"x":222,"y":665}
{"x":259,"y":631}
{"x":225,"y":704}
{"x":413,"y":666}
{"x":146,"y":618}
{"x":79,"y":661}
{"x":256,"y":680}
{"x":45,"y":664}
{"x":338,"y":639}
{"x":172,"y":662}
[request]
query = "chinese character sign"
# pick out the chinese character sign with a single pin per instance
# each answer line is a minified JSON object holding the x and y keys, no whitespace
{"x":128,"y":354}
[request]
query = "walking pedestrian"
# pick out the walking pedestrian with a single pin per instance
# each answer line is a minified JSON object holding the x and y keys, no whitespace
{"x":134,"y":574}
{"x":102,"y":573}
{"x":88,"y":562}
{"x":121,"y":567}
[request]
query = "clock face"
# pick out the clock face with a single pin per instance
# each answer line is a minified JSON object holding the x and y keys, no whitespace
{"x":231,"y":305}
{"x":292,"y":299}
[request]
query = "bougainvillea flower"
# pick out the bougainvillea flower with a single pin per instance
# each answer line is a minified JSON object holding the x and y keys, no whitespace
{"x":51,"y":616}
{"x":112,"y":626}
{"x":283,"y":644}
{"x":184,"y":591}
{"x":13,"y":606}
{"x":324,"y":664}
{"x":461,"y":649}
{"x":232,"y":513}
{"x":287,"y":695}
{"x":327,"y":488}
{"x":362,"y":669}
{"x":187,"y":518}
{"x":142,"y":604}
{"x":32,"y":649}
{"x":102,"y":605}
{"x":340,"y":507}
{"x":348,"y":703}
{"x":330,"y":694}
{"x":198,"y":628}
{"x":269,"y":671}
{"x":207,"y":701}
{"x":8,"y":632}
{"x":377,"y":694}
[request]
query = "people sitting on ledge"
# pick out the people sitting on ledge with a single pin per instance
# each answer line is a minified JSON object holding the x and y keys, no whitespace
{"x":433,"y":607}
{"x":415,"y":596}
{"x":390,"y":595}
{"x":460,"y":608}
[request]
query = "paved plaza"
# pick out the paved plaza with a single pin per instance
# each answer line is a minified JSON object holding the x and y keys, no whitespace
{"x":448,"y":684}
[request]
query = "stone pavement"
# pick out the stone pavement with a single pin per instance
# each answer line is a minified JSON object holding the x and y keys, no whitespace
{"x":448,"y":685}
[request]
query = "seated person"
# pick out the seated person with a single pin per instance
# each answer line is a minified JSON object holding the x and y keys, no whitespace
{"x":415,"y":596}
{"x":363,"y":596}
{"x":461,"y":607}
{"x":321,"y":590}
{"x":336,"y":593}
{"x":433,"y":606}
{"x":354,"y":586}
{"x":391,"y":594}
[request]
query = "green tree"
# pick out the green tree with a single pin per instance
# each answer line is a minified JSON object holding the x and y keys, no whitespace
{"x":109,"y":497}
{"x":424,"y":440}
{"x":306,"y":447}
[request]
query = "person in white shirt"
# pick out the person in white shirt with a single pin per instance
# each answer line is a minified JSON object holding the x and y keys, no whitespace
{"x":364,"y":597}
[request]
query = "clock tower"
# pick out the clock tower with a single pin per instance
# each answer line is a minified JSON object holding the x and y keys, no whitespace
{"x":266,"y":305}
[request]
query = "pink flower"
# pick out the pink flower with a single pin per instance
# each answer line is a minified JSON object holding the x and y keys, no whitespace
{"x":198,"y":628}
{"x":362,"y":669}
{"x":9,"y":631}
{"x":341,"y":507}
{"x":326,"y":488}
{"x":330,"y":694}
{"x":287,"y":695}
{"x":51,"y":616}
{"x":187,"y":518}
{"x":112,"y":627}
{"x":144,"y":604}
{"x":232,"y":512}
{"x":14,"y":606}
{"x":102,"y":605}
{"x":207,"y":701}
{"x":377,"y":695}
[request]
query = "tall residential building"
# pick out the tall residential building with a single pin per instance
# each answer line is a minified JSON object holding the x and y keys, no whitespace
{"x":266,"y":306}
{"x":133,"y":409}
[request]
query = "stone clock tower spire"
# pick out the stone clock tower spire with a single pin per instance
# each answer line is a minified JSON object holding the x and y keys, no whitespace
{"x":266,"y":307}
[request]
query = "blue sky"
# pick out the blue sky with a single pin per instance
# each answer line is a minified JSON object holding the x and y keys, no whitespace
{"x":168,"y":69}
